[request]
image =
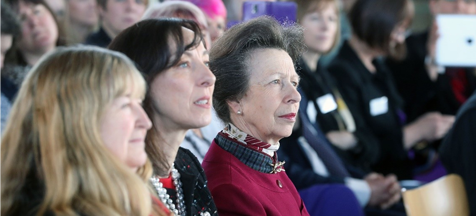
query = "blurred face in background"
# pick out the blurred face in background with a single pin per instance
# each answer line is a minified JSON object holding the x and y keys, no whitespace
{"x":83,"y":12}
{"x":452,"y":6}
{"x":39,"y":29}
{"x":216,"y":27}
{"x":120,"y":14}
{"x":320,"y":28}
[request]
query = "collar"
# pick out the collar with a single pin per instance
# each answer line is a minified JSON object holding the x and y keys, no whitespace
{"x":256,"y":154}
{"x":235,"y":133}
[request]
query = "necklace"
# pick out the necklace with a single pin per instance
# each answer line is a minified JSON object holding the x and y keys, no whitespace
{"x":179,"y":208}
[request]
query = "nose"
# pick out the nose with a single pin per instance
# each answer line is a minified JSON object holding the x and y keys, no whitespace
{"x":293,"y":95}
{"x":32,"y":21}
{"x":143,"y":120}
{"x":207,"y":78}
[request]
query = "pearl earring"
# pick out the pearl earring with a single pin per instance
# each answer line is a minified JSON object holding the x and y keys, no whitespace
{"x":239,"y":112}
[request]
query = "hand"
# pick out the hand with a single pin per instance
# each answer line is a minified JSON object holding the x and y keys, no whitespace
{"x":343,"y":139}
{"x":385,"y":191}
{"x":434,"y":126}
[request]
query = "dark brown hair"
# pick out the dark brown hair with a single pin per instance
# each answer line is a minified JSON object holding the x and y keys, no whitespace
{"x":373,"y":21}
{"x":148,"y":44}
{"x":229,"y":54}
{"x":14,"y":56}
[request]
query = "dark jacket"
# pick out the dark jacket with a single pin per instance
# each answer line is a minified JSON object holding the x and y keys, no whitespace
{"x":316,"y":84}
{"x":458,"y":151}
{"x":194,"y":184}
{"x":374,"y":103}
{"x":99,"y":38}
{"x":419,"y":92}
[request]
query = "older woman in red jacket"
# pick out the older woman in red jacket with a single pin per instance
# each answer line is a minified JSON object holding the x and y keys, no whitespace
{"x":257,"y":98}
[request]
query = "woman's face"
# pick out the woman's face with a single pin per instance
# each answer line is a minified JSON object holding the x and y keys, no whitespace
{"x":182,"y":94}
{"x":320,"y":29}
{"x":399,"y":33}
{"x":39,"y":29}
{"x":83,"y":12}
{"x":216,"y":26}
{"x":270,"y":105}
{"x":124,"y":126}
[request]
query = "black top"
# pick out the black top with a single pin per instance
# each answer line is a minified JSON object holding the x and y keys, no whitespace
{"x":458,"y":150}
{"x":420,"y":93}
{"x":375,"y":104}
{"x":197,"y":197}
{"x":319,"y":83}
{"x":9,"y":89}
{"x":99,"y":38}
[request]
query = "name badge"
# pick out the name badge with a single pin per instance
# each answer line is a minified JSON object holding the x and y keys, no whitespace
{"x":326,"y":103}
{"x":311,"y":112}
{"x":379,"y":106}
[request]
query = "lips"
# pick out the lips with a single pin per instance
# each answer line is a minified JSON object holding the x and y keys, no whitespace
{"x":289,"y":116}
{"x":203,"y":102}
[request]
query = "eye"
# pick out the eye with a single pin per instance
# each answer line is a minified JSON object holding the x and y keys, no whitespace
{"x":207,"y":63}
{"x":295,"y":84}
{"x":183,"y":65}
{"x":276,"y":81}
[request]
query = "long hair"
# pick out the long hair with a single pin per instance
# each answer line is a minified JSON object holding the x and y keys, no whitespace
{"x":149,"y":44}
{"x":53,"y":138}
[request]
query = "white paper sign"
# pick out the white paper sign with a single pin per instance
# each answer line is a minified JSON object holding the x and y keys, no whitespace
{"x":379,"y":106}
{"x":326,"y":103}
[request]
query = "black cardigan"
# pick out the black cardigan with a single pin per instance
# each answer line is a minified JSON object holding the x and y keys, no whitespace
{"x":359,"y":87}
{"x":194,"y":184}
{"x":319,"y":83}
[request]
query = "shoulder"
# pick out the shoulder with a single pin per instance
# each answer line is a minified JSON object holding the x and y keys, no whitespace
{"x":186,"y":158}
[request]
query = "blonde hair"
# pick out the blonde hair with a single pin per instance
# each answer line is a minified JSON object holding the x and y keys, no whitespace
{"x":53,"y":137}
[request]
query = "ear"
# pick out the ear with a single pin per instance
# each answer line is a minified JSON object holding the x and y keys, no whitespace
{"x":234,"y":105}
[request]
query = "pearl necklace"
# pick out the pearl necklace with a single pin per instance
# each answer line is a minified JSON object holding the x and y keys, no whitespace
{"x":179,"y":208}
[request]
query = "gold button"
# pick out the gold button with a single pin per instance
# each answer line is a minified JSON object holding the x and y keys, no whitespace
{"x":279,"y":184}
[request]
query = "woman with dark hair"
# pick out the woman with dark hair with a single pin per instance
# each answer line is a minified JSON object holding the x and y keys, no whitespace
{"x":40,"y":34}
{"x":368,"y":89}
{"x":171,"y":55}
{"x":256,"y":97}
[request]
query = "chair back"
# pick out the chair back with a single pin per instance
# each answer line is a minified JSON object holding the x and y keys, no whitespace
{"x":442,"y":197}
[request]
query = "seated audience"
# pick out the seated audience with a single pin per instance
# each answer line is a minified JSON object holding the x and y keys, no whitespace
{"x":310,"y":159}
{"x":40,"y":34}
{"x":75,"y":139}
{"x":424,"y":85}
{"x":172,"y":56}
{"x":10,"y":29}
{"x":256,"y":96}
{"x":458,"y":149}
{"x":115,"y":16}
{"x":368,"y":89}
{"x":82,"y":20}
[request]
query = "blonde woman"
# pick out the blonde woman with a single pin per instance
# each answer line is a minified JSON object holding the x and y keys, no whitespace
{"x":76,"y":138}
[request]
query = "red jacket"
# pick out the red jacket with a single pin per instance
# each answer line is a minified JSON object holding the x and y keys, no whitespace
{"x":240,"y":190}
